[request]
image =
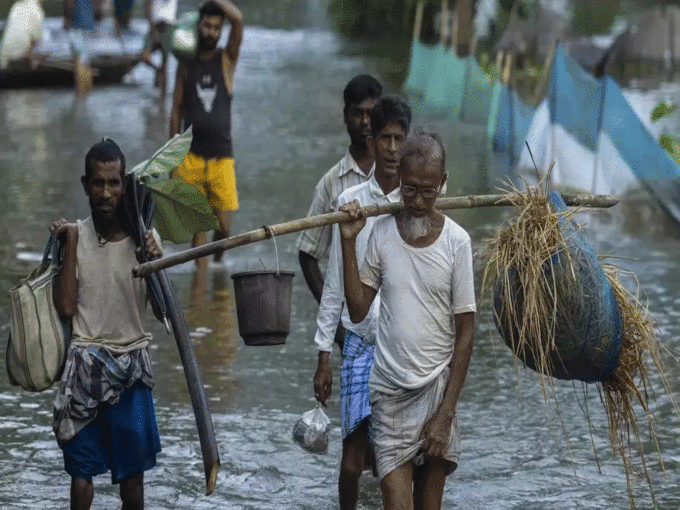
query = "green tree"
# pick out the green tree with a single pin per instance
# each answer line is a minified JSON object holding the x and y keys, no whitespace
{"x":373,"y":18}
{"x":386,"y":18}
{"x":592,"y":17}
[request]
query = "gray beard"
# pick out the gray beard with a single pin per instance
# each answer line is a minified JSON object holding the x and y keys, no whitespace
{"x":416,"y":227}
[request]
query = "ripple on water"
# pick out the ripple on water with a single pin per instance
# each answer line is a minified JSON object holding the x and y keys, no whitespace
{"x":8,"y":424}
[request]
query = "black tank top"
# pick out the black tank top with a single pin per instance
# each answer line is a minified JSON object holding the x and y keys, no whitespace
{"x":208,"y":108}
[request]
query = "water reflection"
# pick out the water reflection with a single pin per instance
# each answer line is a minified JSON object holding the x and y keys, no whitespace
{"x":209,"y":311}
{"x":211,"y":319}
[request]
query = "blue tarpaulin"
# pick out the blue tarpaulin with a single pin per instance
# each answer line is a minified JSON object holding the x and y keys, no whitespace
{"x":588,"y":127}
{"x":451,"y":85}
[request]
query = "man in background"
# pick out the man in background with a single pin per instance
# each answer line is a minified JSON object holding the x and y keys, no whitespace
{"x":80,"y":17}
{"x":390,"y":121}
{"x":202,"y":99}
{"x":361,"y":95}
{"x":161,"y":15}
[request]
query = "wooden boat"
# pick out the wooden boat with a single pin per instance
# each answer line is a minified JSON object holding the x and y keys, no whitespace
{"x":107,"y":69}
{"x":109,"y":56}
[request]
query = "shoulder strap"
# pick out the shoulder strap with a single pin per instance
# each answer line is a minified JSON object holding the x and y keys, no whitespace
{"x":50,"y":250}
{"x":54,"y":251}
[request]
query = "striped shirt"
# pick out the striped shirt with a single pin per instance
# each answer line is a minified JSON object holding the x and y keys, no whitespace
{"x":317,"y":241}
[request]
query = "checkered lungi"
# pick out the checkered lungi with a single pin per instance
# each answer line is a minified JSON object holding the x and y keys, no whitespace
{"x":397,"y":423}
{"x":357,"y":360}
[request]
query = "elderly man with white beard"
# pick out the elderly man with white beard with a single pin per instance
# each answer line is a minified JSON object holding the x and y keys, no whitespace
{"x":421,"y":261}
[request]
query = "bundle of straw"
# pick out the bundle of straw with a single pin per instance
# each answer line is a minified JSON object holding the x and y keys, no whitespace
{"x":629,"y":384}
{"x":534,"y":303}
{"x":528,"y":292}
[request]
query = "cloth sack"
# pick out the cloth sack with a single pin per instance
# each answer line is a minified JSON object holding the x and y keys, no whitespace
{"x":588,"y":324}
{"x":38,"y":339}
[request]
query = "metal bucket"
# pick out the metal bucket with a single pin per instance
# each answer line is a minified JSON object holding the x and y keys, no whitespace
{"x":263,"y":300}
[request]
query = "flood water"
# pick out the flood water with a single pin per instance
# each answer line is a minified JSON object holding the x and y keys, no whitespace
{"x":288,"y":131}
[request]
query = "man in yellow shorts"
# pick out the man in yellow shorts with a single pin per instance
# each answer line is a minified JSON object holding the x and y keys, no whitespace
{"x":214,"y":178}
{"x":202,"y":99}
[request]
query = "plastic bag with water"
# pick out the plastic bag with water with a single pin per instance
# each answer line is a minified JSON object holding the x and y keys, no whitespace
{"x":312,"y":429}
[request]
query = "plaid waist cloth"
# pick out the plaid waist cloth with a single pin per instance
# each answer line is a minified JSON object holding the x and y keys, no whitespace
{"x":92,"y":376}
{"x":357,"y":360}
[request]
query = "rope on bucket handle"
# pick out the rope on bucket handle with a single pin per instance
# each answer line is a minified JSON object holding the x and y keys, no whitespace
{"x":270,"y":233}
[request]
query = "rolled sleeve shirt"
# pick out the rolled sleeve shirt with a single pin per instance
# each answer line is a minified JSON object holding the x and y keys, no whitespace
{"x":331,"y":308}
{"x":317,"y":241}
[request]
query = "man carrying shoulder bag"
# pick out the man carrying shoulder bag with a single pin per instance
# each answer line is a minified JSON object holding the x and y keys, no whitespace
{"x":38,"y":340}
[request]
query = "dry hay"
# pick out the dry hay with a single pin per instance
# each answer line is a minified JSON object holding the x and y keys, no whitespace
{"x":525,"y":245}
{"x":629,"y":384}
{"x":515,"y":259}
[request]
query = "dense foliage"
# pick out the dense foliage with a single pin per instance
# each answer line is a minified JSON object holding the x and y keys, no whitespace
{"x":594,"y":16}
{"x":380,"y":18}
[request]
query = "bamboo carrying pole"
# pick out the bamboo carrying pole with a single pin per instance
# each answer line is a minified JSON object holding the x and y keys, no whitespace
{"x":265,"y":232}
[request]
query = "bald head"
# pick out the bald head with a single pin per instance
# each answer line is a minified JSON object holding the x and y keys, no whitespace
{"x":424,"y":149}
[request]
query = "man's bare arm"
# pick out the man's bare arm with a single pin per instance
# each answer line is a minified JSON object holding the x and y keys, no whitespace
{"x":178,"y":101}
{"x":312,"y":273}
{"x":465,"y":335}
{"x":153,"y":252}
{"x":68,"y":13}
{"x":65,"y":289}
{"x":235,"y":18}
